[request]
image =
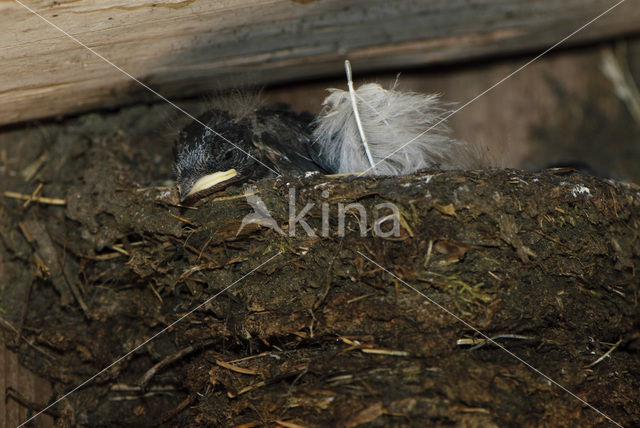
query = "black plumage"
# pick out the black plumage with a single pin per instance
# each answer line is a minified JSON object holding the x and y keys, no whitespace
{"x":272,"y":140}
{"x":368,"y":131}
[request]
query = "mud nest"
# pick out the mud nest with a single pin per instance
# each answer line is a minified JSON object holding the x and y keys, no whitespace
{"x":336,"y":329}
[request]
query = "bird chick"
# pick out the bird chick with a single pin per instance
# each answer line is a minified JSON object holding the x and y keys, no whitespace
{"x":371,"y":130}
{"x":270,"y":141}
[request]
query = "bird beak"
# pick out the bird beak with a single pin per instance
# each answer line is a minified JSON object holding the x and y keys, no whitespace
{"x":209,"y":181}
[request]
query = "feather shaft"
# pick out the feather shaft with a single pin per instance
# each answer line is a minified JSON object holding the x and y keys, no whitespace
{"x":356,"y":113}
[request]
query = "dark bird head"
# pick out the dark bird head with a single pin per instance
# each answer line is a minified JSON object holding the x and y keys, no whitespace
{"x":206,"y":160}
{"x":269,"y":141}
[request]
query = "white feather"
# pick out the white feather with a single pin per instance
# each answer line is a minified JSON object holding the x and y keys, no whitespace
{"x":404,"y":131}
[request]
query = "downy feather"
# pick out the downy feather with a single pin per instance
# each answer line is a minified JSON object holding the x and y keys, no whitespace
{"x":404,"y":131}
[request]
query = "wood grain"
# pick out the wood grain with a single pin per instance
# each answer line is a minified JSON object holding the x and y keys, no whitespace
{"x":189,"y":47}
{"x":26,"y":383}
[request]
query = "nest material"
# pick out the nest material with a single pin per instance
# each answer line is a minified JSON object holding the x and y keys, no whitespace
{"x":321,"y":335}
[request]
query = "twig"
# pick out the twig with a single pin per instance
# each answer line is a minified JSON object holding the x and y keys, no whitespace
{"x":120,"y":250}
{"x":171,"y":413}
{"x":38,"y":236}
{"x":390,"y":352}
{"x":427,"y":258}
{"x":129,"y":393}
{"x":32,"y":169}
{"x":237,"y":369}
{"x":35,"y":194}
{"x":605,"y":355}
{"x":301,"y":368}
{"x":11,"y":327}
{"x":189,"y":207}
{"x":287,"y":424}
{"x":232,"y":197}
{"x":39,"y":199}
{"x":369,"y":349}
{"x":480,"y":342}
{"x":192,"y":249}
{"x":246,"y":389}
{"x":170,"y":359}
{"x":184,"y":220}
{"x":156,"y":292}
{"x":17,"y":397}
{"x":250,"y":357}
{"x":204,"y":247}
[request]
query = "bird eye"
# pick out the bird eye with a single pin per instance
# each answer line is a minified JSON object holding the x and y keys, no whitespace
{"x":228,"y":155}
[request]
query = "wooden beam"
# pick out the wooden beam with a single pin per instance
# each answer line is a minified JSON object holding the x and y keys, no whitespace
{"x":189,"y":47}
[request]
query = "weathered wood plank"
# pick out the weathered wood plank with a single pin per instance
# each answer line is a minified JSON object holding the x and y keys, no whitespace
{"x":188,"y":47}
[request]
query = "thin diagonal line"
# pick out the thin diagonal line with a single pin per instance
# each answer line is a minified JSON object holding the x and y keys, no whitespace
{"x":149,"y":339}
{"x":153,"y":91}
{"x":474,"y":99}
{"x":489,"y":339}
